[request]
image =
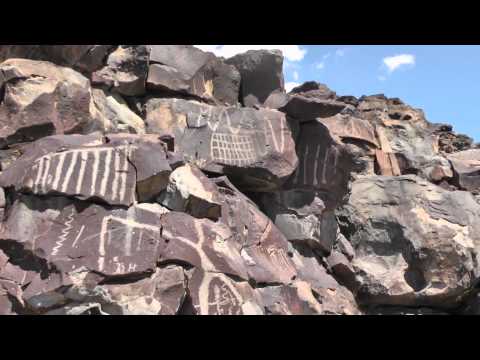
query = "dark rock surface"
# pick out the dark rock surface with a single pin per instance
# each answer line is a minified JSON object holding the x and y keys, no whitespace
{"x":162,"y":180}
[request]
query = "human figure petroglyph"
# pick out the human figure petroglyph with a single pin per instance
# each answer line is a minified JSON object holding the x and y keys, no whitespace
{"x":70,"y":171}
{"x":210,"y":273}
{"x":132,"y":229}
{"x":225,"y":297}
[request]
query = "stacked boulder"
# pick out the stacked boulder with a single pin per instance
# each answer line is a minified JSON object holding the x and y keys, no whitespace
{"x":163,"y":180}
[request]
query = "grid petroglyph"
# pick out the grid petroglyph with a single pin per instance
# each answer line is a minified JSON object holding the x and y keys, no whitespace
{"x":233,"y":149}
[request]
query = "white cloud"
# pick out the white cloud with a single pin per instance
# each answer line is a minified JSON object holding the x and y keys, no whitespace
{"x":382,"y":78}
{"x":290,"y":85}
{"x":340,"y":52}
{"x":295,"y":75}
{"x":395,"y":62}
{"x":320,"y":65}
{"x":290,"y":52}
{"x":326,"y":56}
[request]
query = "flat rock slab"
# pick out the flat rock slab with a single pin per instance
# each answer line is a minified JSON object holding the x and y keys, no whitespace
{"x":117,"y":169}
{"x":71,"y":234}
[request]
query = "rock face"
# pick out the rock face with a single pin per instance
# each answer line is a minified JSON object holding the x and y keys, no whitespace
{"x":126,"y":70}
{"x":253,"y":146}
{"x":187,"y":70}
{"x":162,"y":180}
{"x":415,"y":243}
{"x":261,"y":73}
{"x":466,"y":166}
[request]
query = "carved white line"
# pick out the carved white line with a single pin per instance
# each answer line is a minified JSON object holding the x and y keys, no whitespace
{"x":68,"y":176}
{"x":129,"y":223}
{"x":65,"y":233}
{"x":96,"y":157}
{"x":123,"y":177}
{"x":83,"y":164}
{"x":335,"y":161}
{"x":325,"y":164}
{"x":224,"y":113}
{"x":305,"y":158}
{"x":78,"y":236}
{"x":203,"y":291}
{"x":315,"y":169}
{"x":274,"y":137}
{"x":36,"y":184}
{"x":139,"y":243}
{"x":129,"y":235}
{"x":106,"y":174}
{"x":44,"y":179}
{"x":116,"y":177}
{"x":58,"y":171}
{"x":207,"y":266}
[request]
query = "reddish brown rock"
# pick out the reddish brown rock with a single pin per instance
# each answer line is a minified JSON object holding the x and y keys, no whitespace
{"x":186,"y":70}
{"x":190,"y":191}
{"x":118,"y":171}
{"x":125,"y":71}
{"x":70,"y":234}
{"x":85,"y":58}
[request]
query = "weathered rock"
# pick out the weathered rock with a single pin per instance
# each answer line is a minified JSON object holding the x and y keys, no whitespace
{"x":466,"y":167}
{"x":217,"y":294}
{"x":184,"y":69}
{"x":313,"y":89}
{"x":261,"y":72}
{"x":71,"y":234}
{"x":305,"y":108}
{"x":415,"y":243}
{"x":289,"y":300}
{"x":85,"y":166}
{"x":42,"y":99}
{"x":325,"y":163}
{"x":117,"y":114}
{"x":85,"y":58}
{"x":342,"y":269}
{"x":190,"y":191}
{"x":301,"y":216}
{"x":253,"y":147}
{"x":449,"y":141}
{"x":125,"y":71}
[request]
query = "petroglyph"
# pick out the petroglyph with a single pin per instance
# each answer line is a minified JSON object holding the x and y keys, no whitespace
{"x":87,"y":172}
{"x":216,"y":292}
{"x":65,"y":232}
{"x":132,"y":232}
{"x":233,"y":149}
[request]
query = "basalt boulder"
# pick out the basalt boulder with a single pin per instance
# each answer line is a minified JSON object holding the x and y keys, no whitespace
{"x":261,"y":73}
{"x":466,"y":167}
{"x":84,"y":58}
{"x":125,"y":71}
{"x":415,"y":243}
{"x":41,"y":99}
{"x":118,"y":169}
{"x":253,"y":147}
{"x":187,"y":70}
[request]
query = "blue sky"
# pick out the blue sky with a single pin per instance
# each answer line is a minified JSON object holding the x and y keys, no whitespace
{"x":442,"y":80}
